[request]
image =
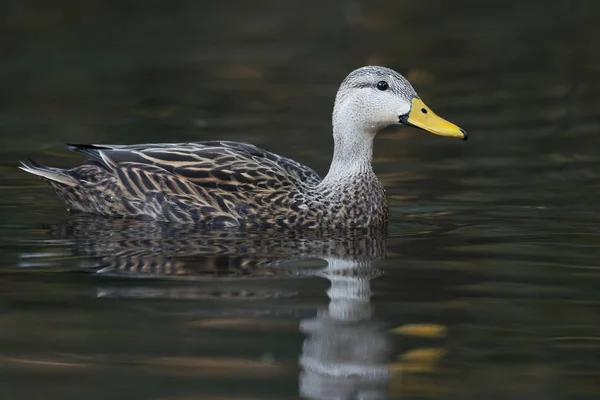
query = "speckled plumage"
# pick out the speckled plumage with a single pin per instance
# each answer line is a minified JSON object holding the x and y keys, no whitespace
{"x":229,"y":184}
{"x":212,"y":183}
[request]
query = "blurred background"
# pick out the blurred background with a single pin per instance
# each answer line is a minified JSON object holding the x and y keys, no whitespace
{"x":486,"y":286}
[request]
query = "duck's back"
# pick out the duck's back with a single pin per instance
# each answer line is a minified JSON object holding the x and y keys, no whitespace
{"x":214,"y":183}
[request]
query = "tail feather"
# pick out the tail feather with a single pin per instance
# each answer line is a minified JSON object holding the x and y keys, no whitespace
{"x":92,"y":151}
{"x":49,"y":173}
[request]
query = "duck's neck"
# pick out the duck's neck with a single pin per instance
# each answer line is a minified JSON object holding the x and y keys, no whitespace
{"x":352,"y":153}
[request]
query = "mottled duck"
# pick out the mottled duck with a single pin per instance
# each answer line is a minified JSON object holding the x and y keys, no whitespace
{"x":229,"y":184}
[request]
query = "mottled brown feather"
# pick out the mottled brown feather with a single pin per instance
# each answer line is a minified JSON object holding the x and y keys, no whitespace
{"x":214,"y":184}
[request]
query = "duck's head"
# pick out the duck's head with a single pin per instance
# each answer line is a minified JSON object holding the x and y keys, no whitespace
{"x":372,"y":98}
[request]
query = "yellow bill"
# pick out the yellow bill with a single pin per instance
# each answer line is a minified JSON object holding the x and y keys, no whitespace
{"x":422,"y":117}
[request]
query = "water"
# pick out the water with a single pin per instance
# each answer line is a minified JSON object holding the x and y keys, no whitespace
{"x":485,"y":287}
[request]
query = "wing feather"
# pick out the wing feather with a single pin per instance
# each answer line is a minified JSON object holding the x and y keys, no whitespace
{"x":213,"y":183}
{"x":230,"y":166}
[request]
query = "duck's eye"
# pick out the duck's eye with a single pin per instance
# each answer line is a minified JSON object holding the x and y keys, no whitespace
{"x":382,"y":85}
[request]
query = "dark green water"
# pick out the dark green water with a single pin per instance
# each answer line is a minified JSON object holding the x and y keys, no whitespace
{"x":487,"y":286}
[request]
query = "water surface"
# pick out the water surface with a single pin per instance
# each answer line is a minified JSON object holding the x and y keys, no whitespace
{"x":486,"y":285}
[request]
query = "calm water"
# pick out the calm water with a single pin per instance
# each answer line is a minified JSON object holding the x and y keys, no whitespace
{"x":487,"y":285}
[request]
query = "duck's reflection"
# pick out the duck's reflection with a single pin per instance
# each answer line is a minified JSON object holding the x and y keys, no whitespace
{"x":345,"y":353}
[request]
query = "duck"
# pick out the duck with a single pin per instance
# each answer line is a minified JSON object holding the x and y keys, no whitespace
{"x":225,"y":184}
